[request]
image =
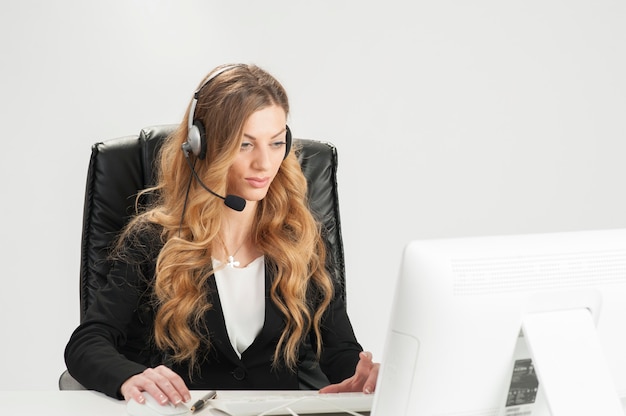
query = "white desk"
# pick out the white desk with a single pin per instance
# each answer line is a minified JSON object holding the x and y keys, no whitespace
{"x":70,"y":403}
{"x":58,"y":403}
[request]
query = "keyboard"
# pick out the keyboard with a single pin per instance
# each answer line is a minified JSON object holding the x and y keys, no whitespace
{"x":292,"y":402}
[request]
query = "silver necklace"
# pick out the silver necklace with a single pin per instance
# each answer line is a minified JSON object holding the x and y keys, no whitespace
{"x":231,"y":258}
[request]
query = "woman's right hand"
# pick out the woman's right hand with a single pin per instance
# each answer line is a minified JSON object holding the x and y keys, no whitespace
{"x":161,"y":383}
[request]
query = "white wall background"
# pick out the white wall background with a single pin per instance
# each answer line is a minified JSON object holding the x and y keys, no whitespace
{"x":452,"y":118}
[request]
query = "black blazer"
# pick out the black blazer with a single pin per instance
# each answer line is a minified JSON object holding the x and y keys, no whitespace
{"x":115,"y":340}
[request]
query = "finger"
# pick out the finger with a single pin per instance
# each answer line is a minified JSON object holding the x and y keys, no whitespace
{"x":370,"y":384}
{"x":331,"y":388}
{"x":130,"y":389}
{"x":138,"y":391}
{"x":363,"y":367}
{"x":160,"y":387}
{"x":173,"y":385}
{"x":366,"y":355}
{"x":133,"y":393}
{"x":346,"y":385}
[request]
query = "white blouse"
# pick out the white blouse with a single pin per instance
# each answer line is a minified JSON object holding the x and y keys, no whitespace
{"x":242,"y":295}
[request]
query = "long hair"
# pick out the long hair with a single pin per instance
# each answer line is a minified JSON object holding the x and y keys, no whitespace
{"x":284,"y":230}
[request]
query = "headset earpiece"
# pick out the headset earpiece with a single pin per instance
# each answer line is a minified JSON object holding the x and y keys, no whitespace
{"x":287,"y":141}
{"x":196,"y":138}
{"x":196,"y":133}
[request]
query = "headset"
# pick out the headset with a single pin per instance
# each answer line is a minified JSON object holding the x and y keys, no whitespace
{"x":196,"y":133}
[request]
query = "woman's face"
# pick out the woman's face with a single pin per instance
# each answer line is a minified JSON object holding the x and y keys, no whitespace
{"x":261,"y":153}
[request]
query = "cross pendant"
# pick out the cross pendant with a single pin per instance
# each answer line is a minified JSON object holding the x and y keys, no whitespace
{"x":232,"y":262}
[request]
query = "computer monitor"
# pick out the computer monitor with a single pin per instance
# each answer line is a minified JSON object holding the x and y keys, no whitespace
{"x":508,"y":325}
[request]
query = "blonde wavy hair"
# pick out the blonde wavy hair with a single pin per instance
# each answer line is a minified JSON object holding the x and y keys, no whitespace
{"x":284,"y":230}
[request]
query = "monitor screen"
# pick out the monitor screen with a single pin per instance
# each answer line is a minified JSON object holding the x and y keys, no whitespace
{"x":506,"y":325}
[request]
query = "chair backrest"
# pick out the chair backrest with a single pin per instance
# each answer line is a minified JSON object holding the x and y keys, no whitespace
{"x":120,"y":168}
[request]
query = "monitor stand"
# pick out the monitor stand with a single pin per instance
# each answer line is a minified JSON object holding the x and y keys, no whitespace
{"x":574,"y":378}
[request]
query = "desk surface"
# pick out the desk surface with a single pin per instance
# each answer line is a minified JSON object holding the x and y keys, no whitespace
{"x":70,"y":403}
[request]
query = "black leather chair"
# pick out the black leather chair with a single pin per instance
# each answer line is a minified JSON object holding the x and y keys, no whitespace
{"x":120,"y":168}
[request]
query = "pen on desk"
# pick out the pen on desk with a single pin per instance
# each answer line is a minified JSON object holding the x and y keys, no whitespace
{"x":203,"y":401}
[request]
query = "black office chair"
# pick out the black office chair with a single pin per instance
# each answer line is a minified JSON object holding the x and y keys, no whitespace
{"x":120,"y":168}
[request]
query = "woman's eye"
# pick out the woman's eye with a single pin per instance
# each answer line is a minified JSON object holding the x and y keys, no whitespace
{"x":278,"y":144}
{"x":246,"y":146}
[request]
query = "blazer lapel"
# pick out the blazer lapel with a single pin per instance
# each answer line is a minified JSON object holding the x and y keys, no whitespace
{"x":218,"y":335}
{"x":272,"y":325}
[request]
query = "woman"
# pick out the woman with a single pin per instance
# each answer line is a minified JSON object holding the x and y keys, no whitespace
{"x":207,"y":295}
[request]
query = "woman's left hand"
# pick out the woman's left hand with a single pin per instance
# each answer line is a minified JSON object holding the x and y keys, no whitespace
{"x":364,"y":378}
